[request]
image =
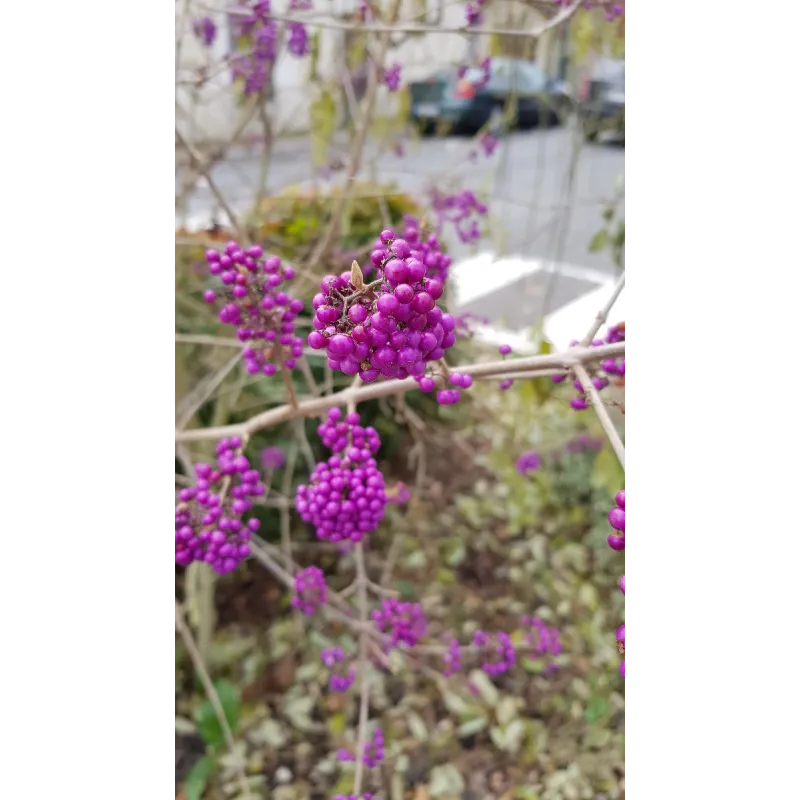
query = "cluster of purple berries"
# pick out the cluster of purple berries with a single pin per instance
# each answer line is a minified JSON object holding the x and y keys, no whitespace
{"x":260,"y":311}
{"x":425,"y":248}
{"x":399,"y":495}
{"x":297,"y":41}
{"x":340,"y":434}
{"x":391,"y":77}
{"x":460,"y":209}
{"x":528,"y":462}
{"x":208,"y":516}
{"x":389,"y":328}
{"x":487,"y":143}
{"x":374,"y":749}
{"x":543,"y":639}
{"x":339,"y":681}
{"x":473,"y":13}
{"x":609,"y":366}
{"x":497,"y":652}
{"x":404,"y":623}
{"x":616,"y":517}
{"x":345,"y":498}
{"x":310,"y":590}
{"x":205,"y":30}
{"x":452,"y":658}
{"x":253,"y":66}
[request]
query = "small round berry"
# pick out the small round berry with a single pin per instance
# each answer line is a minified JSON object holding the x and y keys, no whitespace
{"x":209,"y":296}
{"x":504,"y":349}
{"x":616,"y":542}
{"x":617,"y":519}
{"x":620,"y":499}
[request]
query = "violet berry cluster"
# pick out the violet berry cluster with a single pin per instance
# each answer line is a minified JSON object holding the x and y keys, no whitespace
{"x":389,"y":328}
{"x":528,"y":462}
{"x":497,"y":652}
{"x":544,"y":640}
{"x":610,"y":366}
{"x":474,"y":13}
{"x":404,"y":623}
{"x":391,"y":77}
{"x":616,"y":518}
{"x":345,"y":498}
{"x":262,"y":313}
{"x":425,"y":247}
{"x":452,"y":658}
{"x":462,"y":210}
{"x":254,"y":64}
{"x":208,"y":517}
{"x":342,"y":675}
{"x":310,"y":590}
{"x":205,"y":30}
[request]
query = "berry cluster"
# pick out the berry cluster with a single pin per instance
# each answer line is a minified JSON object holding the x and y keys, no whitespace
{"x":497,"y":652}
{"x":405,"y":623}
{"x":528,"y":462}
{"x":543,"y":640}
{"x":391,"y":77}
{"x":389,"y":328}
{"x":345,"y":498}
{"x":346,"y":434}
{"x":487,"y":143}
{"x":208,"y":517}
{"x":297,"y":42}
{"x":253,"y":66}
{"x":339,"y":681}
{"x":205,"y":30}
{"x":452,"y":658}
{"x":373,"y":749}
{"x":462,"y":210}
{"x":616,"y":517}
{"x":473,"y":13}
{"x":262,"y":313}
{"x":399,"y":495}
{"x":425,"y":248}
{"x":310,"y":590}
{"x":610,"y":366}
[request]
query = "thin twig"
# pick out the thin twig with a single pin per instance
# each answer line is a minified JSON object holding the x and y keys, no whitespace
{"x":363,"y":710}
{"x":602,"y":315}
{"x":602,"y":413}
{"x":372,"y":391}
{"x":191,"y":404}
{"x":479,"y":30}
{"x":211,"y":692}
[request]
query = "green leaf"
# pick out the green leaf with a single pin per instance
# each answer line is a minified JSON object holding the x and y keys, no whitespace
{"x":446,"y":781}
{"x":486,"y":689}
{"x":599,"y":241}
{"x":472,"y":726}
{"x":417,"y":727}
{"x":208,"y":725}
{"x":198,"y":777}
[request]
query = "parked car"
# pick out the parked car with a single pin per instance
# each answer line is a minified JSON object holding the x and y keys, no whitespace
{"x":469,"y":102}
{"x":601,"y":102}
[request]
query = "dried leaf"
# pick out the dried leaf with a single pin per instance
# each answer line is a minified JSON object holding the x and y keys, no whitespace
{"x":357,"y":277}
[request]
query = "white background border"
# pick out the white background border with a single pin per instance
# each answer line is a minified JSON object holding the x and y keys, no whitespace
{"x":712,"y":219}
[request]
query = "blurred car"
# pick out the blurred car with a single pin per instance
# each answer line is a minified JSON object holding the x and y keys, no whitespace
{"x":467,"y":103}
{"x":601,"y":102}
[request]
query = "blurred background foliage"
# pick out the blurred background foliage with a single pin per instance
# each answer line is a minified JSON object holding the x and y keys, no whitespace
{"x":478,"y":544}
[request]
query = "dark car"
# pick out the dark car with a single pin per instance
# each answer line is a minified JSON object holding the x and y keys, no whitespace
{"x":601,"y":103}
{"x":467,"y":103}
